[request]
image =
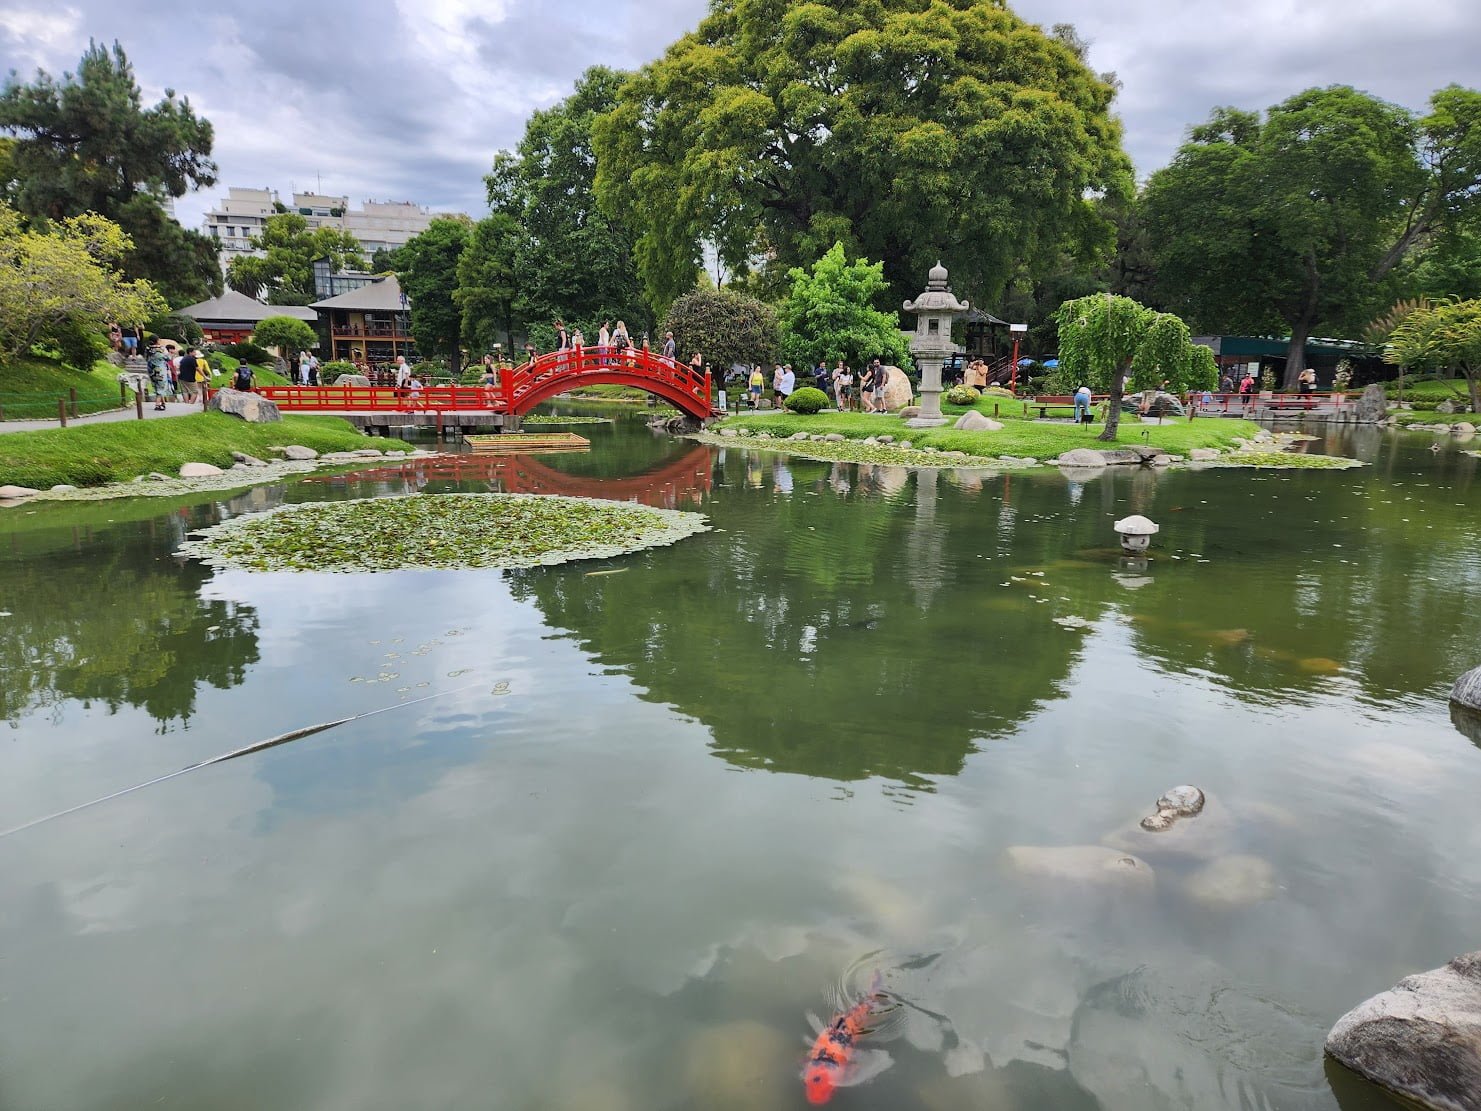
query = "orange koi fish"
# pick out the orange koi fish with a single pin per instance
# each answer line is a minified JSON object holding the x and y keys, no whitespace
{"x":831,"y":1052}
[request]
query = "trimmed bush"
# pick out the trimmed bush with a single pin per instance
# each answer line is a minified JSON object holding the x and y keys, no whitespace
{"x":328,"y":372}
{"x":963,"y":395}
{"x":249,"y":353}
{"x":807,"y":400}
{"x":725,"y":327}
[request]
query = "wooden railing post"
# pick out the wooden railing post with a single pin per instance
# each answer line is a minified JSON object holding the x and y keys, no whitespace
{"x":138,"y":400}
{"x":62,"y":411}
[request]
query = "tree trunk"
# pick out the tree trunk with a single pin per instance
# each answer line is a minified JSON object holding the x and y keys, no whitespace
{"x":1113,"y":406}
{"x":1473,"y":381}
{"x":1296,"y":352}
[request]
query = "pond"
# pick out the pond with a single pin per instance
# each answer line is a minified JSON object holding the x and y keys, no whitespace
{"x":613,"y":838}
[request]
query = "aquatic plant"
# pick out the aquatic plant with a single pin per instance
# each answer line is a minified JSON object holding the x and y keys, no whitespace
{"x":438,"y":531}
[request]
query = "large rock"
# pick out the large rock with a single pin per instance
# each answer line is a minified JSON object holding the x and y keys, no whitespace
{"x":1421,"y":1039}
{"x":975,"y":422}
{"x":299,"y":453}
{"x":198,"y":470}
{"x":1082,"y":457}
{"x":17,"y":492}
{"x":1091,"y":865}
{"x":1445,"y":408}
{"x":897,"y":391}
{"x":352,"y":380}
{"x":1372,"y":406}
{"x":250,"y":407}
{"x":910,"y":412}
{"x":1230,"y":882}
{"x":1466,"y":692}
{"x":1203,"y":454}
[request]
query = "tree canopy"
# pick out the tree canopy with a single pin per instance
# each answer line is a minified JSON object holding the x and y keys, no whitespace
{"x":1297,"y":221}
{"x":66,"y":277}
{"x":86,"y":143}
{"x":287,"y":333}
{"x":830,"y":315}
{"x":906,"y":129}
{"x":489,"y":282}
{"x":574,"y":260}
{"x":285,"y":269}
{"x":1106,"y":341}
{"x":1445,"y":336}
{"x":726,"y":328}
{"x":428,"y":272}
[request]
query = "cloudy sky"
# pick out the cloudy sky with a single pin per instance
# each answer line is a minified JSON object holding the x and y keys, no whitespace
{"x":409,"y":99}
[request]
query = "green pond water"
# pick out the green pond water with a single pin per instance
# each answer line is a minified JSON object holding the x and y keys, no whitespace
{"x":654,"y":820}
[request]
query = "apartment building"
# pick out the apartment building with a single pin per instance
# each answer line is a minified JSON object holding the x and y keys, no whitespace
{"x":377,"y":224}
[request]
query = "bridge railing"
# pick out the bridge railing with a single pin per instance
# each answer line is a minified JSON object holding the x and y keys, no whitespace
{"x":573,"y":364}
{"x":382,"y":399}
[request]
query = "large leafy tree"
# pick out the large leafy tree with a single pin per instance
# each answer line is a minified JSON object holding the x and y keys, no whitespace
{"x":284,"y":271}
{"x":428,"y":271}
{"x":488,"y":282}
{"x":66,"y":278}
{"x":1446,"y":336}
{"x":1107,"y":341}
{"x":726,"y":328}
{"x":908,"y":129}
{"x":575,"y":261}
{"x":1298,"y":221}
{"x":86,"y":143}
{"x":830,"y":314}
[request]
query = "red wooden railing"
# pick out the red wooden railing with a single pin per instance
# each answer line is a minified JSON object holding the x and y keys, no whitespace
{"x":520,"y":388}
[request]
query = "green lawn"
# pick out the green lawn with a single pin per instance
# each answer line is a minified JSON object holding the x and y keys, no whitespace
{"x":1019,"y":437}
{"x":1429,"y":389}
{"x":95,"y":454}
{"x":29,"y":388}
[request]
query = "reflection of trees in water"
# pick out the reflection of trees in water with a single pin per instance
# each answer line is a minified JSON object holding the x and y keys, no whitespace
{"x":801,"y":637}
{"x":116,"y":621}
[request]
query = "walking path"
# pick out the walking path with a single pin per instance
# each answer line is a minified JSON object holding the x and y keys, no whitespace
{"x":176,"y":409}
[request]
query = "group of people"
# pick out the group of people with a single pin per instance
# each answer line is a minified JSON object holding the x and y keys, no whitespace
{"x":308,"y":369}
{"x":180,"y":375}
{"x":864,"y":391}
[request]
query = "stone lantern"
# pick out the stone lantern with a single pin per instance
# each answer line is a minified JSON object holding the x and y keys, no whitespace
{"x":935,"y":310}
{"x":1136,"y":533}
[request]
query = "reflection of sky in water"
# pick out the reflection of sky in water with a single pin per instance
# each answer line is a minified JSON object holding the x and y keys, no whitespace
{"x":560,"y":896}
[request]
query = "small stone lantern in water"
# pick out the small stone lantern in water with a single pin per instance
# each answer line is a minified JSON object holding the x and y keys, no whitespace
{"x":935,"y":310}
{"x":1136,"y":533}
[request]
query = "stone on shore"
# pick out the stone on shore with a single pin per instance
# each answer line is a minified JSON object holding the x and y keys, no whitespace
{"x":1421,"y":1039}
{"x":976,"y":422}
{"x":17,"y":492}
{"x":250,"y":407}
{"x":1084,"y":864}
{"x":248,"y":460}
{"x":299,"y":454}
{"x":62,"y":488}
{"x":1081,"y":457}
{"x":1372,"y":406}
{"x":834,"y":438}
{"x":1466,"y":692}
{"x":1203,"y":454}
{"x":909,"y":412}
{"x":198,"y":470}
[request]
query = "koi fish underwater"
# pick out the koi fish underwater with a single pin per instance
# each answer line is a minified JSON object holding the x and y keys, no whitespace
{"x":836,"y":1060}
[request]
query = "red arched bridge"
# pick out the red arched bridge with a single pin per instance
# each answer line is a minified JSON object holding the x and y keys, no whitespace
{"x":519,"y":389}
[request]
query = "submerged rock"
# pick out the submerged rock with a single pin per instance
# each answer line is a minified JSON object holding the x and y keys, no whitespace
{"x":1208,"y":835}
{"x":1421,"y":1039}
{"x":1089,"y":864}
{"x":1230,"y":882}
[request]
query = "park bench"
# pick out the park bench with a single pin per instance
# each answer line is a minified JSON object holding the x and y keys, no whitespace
{"x":1045,"y":402}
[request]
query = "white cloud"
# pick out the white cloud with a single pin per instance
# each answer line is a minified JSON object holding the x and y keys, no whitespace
{"x":39,"y":37}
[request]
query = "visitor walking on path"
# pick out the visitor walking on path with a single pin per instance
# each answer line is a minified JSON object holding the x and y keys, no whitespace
{"x":189,"y":372}
{"x":866,"y":389}
{"x":755,"y":385}
{"x":788,"y":386}
{"x":881,"y":380}
{"x":244,"y":379}
{"x":843,"y":384}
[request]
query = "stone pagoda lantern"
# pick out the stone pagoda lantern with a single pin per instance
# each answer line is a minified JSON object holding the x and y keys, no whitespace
{"x":935,"y":310}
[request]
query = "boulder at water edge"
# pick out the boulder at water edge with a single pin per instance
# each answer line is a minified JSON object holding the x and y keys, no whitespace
{"x":1373,"y":405}
{"x":1466,"y":692}
{"x":1082,"y":457}
{"x":198,"y":470}
{"x":976,"y":422}
{"x":250,"y":407}
{"x":17,"y":492}
{"x":1421,"y":1039}
{"x":299,"y":453}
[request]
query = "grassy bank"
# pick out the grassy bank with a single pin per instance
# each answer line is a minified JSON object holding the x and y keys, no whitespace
{"x":29,"y":388}
{"x":95,"y":454}
{"x":1022,"y":438}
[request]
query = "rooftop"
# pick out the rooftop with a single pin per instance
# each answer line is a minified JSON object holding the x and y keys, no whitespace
{"x":381,"y":295}
{"x":238,"y":308}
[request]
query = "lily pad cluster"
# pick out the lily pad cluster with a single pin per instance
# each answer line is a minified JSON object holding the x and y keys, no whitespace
{"x":856,"y":451}
{"x":438,"y":531}
{"x":547,"y":419}
{"x":1283,"y":460}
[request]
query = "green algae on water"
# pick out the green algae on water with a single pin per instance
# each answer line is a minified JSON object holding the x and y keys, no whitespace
{"x":438,"y":531}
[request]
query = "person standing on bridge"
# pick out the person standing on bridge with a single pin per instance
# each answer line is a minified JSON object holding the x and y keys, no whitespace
{"x":604,"y":341}
{"x":403,"y":375}
{"x":668,"y":345}
{"x":562,"y":341}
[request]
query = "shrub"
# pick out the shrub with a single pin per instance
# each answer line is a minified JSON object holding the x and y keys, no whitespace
{"x":249,"y":353}
{"x":725,"y":327}
{"x":963,"y":395}
{"x":807,"y":400}
{"x":287,"y":333}
{"x":79,"y":344}
{"x":998,"y":391}
{"x":329,"y":372}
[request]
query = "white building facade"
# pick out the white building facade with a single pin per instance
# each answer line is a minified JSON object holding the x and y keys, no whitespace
{"x":241,"y":214}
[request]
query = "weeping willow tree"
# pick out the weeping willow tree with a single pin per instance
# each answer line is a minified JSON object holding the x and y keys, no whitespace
{"x":1107,"y":341}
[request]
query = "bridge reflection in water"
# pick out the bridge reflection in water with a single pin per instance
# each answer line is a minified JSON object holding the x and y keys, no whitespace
{"x":679,"y":482}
